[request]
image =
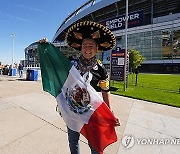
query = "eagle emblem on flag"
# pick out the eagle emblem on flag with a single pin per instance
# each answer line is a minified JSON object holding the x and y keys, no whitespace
{"x":78,"y":99}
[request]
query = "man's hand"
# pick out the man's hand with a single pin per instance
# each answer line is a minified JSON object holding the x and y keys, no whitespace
{"x":43,"y":40}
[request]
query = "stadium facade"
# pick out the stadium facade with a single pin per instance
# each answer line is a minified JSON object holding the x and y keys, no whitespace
{"x":153,"y":29}
{"x":31,"y":54}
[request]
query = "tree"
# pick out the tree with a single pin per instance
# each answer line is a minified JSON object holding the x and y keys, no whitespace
{"x":135,"y":60}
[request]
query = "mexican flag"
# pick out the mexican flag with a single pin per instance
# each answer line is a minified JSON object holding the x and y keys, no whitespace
{"x":88,"y":115}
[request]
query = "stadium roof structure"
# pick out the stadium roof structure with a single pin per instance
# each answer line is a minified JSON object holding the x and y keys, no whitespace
{"x":100,"y":10}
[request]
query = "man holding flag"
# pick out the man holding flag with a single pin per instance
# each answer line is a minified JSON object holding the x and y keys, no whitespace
{"x":74,"y":87}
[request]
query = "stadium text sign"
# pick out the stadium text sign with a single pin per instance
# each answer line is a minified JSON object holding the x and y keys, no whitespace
{"x":116,"y":23}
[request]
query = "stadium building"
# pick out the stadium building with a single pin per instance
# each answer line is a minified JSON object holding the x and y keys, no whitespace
{"x":31,"y":54}
{"x":153,"y":29}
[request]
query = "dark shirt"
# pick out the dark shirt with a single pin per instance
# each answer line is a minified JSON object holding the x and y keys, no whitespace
{"x":100,"y":80}
{"x":20,"y":67}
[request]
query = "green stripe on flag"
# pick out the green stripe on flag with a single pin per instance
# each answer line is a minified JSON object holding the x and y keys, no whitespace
{"x":54,"y":68}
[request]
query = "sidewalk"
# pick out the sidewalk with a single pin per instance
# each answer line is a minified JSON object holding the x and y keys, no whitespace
{"x":29,"y":123}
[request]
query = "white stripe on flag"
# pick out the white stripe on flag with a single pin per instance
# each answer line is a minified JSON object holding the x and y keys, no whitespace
{"x":73,"y":120}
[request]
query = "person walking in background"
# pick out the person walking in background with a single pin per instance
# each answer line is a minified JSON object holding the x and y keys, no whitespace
{"x":20,"y":69}
{"x":6,"y":70}
{"x":10,"y":70}
{"x":1,"y":68}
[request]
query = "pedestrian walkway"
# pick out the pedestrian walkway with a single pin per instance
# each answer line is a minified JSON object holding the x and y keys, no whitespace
{"x":30,"y":125}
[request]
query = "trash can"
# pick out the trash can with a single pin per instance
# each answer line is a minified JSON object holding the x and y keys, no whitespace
{"x":32,"y":75}
{"x":13,"y":72}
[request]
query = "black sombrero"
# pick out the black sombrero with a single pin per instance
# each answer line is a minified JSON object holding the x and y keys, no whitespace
{"x":88,"y":29}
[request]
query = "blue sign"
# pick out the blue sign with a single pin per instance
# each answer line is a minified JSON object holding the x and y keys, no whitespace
{"x":117,"y":23}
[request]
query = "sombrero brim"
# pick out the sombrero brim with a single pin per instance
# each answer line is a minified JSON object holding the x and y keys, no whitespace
{"x":104,"y":38}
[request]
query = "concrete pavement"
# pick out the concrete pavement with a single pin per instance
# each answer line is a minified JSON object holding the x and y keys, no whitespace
{"x":30,"y":125}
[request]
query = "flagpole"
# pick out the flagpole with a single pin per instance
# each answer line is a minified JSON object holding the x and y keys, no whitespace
{"x":125,"y":67}
{"x":13,"y":36}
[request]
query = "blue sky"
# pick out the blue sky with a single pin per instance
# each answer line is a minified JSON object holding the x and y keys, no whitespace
{"x":30,"y":20}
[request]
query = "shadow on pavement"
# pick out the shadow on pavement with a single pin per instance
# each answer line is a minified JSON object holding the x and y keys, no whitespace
{"x":23,"y":79}
{"x":113,"y":89}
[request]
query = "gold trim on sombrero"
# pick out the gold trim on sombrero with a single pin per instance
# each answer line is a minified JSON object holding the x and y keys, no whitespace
{"x":105,"y":44}
{"x":78,"y":35}
{"x":101,"y":26}
{"x":67,"y":41}
{"x":96,"y":34}
{"x":109,"y":32}
{"x":75,"y":45}
{"x":77,"y":24}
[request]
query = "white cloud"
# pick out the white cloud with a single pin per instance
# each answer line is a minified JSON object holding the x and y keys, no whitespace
{"x":30,"y":8}
{"x":18,"y":18}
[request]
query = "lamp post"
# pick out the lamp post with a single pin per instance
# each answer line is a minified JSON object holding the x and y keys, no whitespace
{"x":13,"y":36}
{"x":126,"y":42}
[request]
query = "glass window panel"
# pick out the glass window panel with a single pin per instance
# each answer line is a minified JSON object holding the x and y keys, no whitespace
{"x":147,"y":43}
{"x":156,"y":33}
{"x":147,"y":50}
{"x":132,"y":42}
{"x":167,"y":44}
{"x":156,"y":54}
{"x":176,"y":43}
{"x":140,"y":35}
{"x":156,"y":50}
{"x":147,"y":35}
{"x":131,"y":36}
{"x":147,"y":56}
{"x":131,"y":47}
{"x":156,"y":42}
{"x":140,"y":43}
{"x":155,"y":57}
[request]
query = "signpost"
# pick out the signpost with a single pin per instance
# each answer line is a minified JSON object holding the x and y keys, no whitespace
{"x":117,"y":65}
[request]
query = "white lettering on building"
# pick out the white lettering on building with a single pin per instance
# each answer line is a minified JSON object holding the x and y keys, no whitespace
{"x":118,"y":22}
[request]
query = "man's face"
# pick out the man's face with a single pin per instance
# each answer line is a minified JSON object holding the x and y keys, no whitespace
{"x":89,"y":48}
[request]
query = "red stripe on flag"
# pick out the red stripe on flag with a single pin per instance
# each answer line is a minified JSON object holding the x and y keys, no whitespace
{"x":100,"y":131}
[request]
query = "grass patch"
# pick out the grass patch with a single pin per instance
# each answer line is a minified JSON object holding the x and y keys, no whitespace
{"x":159,"y":88}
